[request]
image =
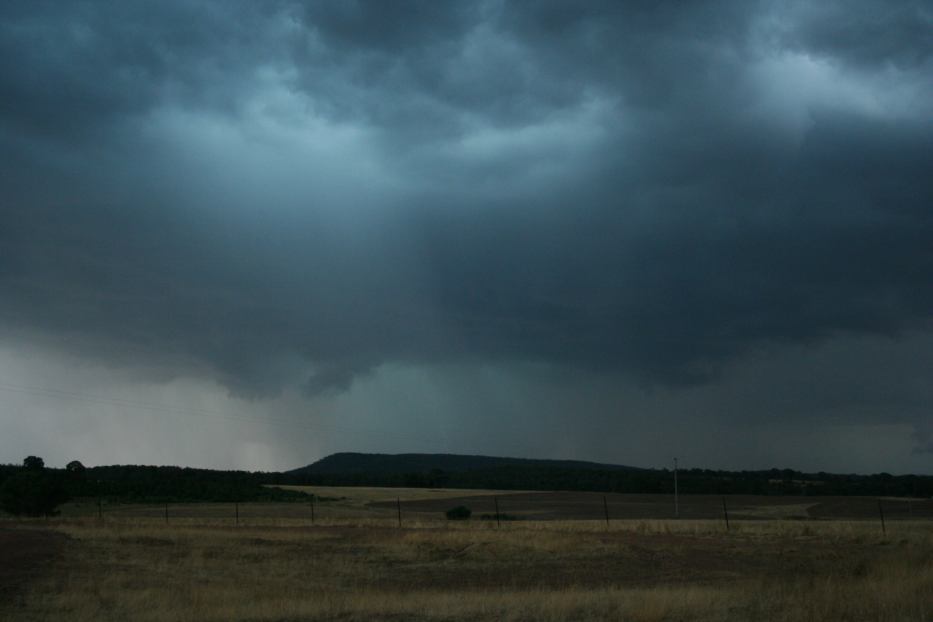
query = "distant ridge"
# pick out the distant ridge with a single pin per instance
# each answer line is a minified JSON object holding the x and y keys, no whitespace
{"x":349,"y":463}
{"x":498,"y":473}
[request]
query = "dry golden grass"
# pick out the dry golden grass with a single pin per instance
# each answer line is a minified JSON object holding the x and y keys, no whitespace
{"x":361,"y":495}
{"x":142,"y":569}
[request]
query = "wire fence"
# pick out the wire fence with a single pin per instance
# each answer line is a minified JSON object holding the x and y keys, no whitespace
{"x":584,"y":510}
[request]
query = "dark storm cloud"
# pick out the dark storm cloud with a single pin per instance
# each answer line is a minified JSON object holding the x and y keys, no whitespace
{"x":603,"y":186}
{"x":865,"y":33}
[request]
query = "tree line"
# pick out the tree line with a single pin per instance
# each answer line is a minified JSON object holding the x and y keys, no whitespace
{"x":32,"y":489}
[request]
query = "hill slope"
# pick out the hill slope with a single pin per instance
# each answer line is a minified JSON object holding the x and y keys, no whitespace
{"x":396,"y":464}
{"x":492,"y":473}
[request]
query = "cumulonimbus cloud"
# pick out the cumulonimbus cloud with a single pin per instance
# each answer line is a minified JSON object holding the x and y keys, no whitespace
{"x":299,"y":193}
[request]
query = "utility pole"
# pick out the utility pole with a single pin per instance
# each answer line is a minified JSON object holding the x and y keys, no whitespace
{"x":676,"y":495}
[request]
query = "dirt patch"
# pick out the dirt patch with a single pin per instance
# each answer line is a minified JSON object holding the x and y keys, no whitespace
{"x":24,"y":555}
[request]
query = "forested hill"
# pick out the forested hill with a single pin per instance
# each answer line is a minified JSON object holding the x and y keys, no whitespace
{"x":457,"y":471}
{"x":398,"y":464}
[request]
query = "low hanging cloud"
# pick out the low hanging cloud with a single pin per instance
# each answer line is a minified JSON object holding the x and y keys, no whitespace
{"x":294,"y":194}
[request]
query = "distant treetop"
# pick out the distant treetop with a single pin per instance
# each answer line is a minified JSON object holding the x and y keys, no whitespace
{"x":33,"y":463}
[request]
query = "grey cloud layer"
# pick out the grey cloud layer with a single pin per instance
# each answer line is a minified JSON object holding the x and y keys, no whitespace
{"x":277,"y":193}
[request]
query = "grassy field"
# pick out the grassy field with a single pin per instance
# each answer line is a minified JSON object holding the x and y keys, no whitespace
{"x":275,"y":568}
{"x":641,"y":570}
{"x":336,"y":504}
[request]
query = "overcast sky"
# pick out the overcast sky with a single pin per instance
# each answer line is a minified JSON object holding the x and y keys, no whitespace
{"x":250,"y":234}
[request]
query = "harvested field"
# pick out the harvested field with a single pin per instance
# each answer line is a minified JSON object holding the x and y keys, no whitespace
{"x":336,"y":504}
{"x":583,"y":506}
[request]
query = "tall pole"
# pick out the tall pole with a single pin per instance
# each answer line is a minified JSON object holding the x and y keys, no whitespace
{"x":676,"y":493}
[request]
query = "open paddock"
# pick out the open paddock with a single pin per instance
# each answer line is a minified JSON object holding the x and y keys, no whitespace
{"x":375,"y":506}
{"x":368,"y":569}
{"x":781,"y":559}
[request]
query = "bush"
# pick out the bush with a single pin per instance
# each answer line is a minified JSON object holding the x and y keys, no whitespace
{"x":461,"y":512}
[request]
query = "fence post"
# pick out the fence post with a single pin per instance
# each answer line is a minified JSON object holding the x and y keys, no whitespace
{"x":725,"y":512}
{"x":496,"y":501}
{"x":312,"y":509}
{"x":881,"y":512}
{"x":606,"y":511}
{"x":236,"y":508}
{"x":398,"y":504}
{"x":166,"y":512}
{"x":676,"y":493}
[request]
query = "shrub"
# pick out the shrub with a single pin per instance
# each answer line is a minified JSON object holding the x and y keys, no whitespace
{"x":461,"y":512}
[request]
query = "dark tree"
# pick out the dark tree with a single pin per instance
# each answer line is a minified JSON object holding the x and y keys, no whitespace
{"x":75,"y":467}
{"x":32,"y":493}
{"x":33,"y":463}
